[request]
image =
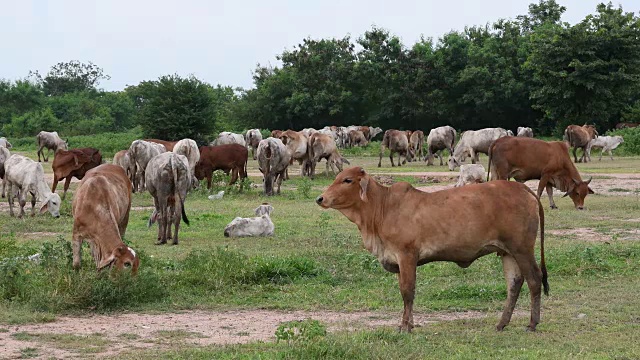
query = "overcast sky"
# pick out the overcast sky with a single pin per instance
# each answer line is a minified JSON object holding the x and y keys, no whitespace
{"x":220,"y":41}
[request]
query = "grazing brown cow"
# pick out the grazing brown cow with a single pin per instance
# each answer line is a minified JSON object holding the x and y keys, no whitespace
{"x":405,"y":228}
{"x":100,"y":216}
{"x":323,"y":146}
{"x":73,"y":163}
{"x":397,"y":142}
{"x":167,"y":144}
{"x":357,"y":138}
{"x":579,"y":137}
{"x":416,"y":143}
{"x":228,"y":158}
{"x":527,"y":159}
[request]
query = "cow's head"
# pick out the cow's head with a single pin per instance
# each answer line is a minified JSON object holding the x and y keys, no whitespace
{"x":52,"y":204}
{"x":264,"y":209}
{"x":453,"y":162}
{"x":349,"y":189}
{"x":578,"y":191}
{"x":121,"y":257}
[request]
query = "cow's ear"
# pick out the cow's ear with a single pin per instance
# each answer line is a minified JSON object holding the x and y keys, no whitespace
{"x":106,"y":262}
{"x":364,"y":184}
{"x":44,"y":208}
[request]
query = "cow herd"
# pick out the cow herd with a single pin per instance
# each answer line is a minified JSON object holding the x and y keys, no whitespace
{"x":500,"y":216}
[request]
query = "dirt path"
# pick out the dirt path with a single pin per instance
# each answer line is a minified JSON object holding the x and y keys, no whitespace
{"x":103,"y":335}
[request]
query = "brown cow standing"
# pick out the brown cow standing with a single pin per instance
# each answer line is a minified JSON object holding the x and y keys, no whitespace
{"x":579,"y":137}
{"x":528,"y":159}
{"x":100,"y":216}
{"x":167,"y":144}
{"x":405,"y":228}
{"x":228,"y":158}
{"x":366,"y":131}
{"x":73,"y":163}
{"x":416,"y":143}
{"x":397,"y":142}
{"x":357,"y":138}
{"x":276,"y":134}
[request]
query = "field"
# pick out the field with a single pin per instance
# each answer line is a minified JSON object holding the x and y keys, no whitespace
{"x":312,"y":291}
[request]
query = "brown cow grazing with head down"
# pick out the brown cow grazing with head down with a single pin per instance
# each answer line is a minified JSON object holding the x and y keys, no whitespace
{"x":405,"y":228}
{"x":167,"y":144}
{"x":397,"y":142}
{"x":525,"y":159}
{"x":579,"y":137}
{"x":323,"y":146}
{"x":228,"y":158}
{"x":101,"y":208}
{"x":73,"y":163}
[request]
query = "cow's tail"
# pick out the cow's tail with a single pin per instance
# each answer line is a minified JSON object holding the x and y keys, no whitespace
{"x":453,"y":138}
{"x":543,"y":266}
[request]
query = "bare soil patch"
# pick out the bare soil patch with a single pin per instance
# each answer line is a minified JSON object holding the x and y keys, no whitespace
{"x":201,"y":328}
{"x":584,"y":234}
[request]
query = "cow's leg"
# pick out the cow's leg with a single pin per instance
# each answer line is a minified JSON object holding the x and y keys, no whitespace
{"x":533,"y":276}
{"x":381,"y":154}
{"x":161,"y":208}
{"x":33,"y":204}
{"x":514,"y":283}
{"x":440,"y":156}
{"x":550,"y":195}
{"x":67,"y":182}
{"x":10,"y":198}
{"x":76,"y":244}
{"x":407,"y":280}
{"x":575,"y":157}
{"x":234,"y":176}
{"x":610,"y":154}
{"x":177,"y":208}
{"x":22,"y":201}
{"x":279,"y":180}
{"x":405,"y":158}
{"x":209,"y":176}
{"x":54,"y":186}
{"x":39,"y":151}
{"x":4,"y":183}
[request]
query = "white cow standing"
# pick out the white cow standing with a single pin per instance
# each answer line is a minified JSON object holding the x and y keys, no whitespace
{"x":606,"y":143}
{"x":471,"y":174}
{"x":189,"y":148}
{"x":253,"y":138}
{"x":255,"y":226}
{"x":524,"y":132}
{"x":227,"y":137}
{"x":28,"y":177}
{"x":472,"y":143}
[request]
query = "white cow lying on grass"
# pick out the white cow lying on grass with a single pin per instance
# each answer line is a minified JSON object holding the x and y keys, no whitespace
{"x":471,"y":174}
{"x":255,"y":226}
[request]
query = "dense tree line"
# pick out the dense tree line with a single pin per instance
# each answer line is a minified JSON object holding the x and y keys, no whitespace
{"x":533,"y":70}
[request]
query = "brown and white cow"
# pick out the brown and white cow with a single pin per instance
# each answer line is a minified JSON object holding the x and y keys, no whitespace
{"x":525,"y":159}
{"x":579,"y":137}
{"x":122,"y":159}
{"x":416,"y":143}
{"x":253,"y":138}
{"x":189,"y":149}
{"x":405,"y":228}
{"x":68,"y":164}
{"x":168,"y":145}
{"x":440,"y":138}
{"x":273,"y":161}
{"x":297,"y":144}
{"x":141,"y":152}
{"x":101,"y":208}
{"x":50,"y":141}
{"x":168,"y":179}
{"x":228,"y":158}
{"x":5,"y":143}
{"x":397,"y":142}
{"x":323,"y":146}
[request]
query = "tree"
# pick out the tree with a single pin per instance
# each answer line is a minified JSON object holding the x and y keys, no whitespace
{"x":69,"y":77}
{"x":174,"y":108}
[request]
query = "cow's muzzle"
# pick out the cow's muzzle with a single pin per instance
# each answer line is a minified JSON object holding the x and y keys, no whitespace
{"x":226,"y":233}
{"x":319,"y":200}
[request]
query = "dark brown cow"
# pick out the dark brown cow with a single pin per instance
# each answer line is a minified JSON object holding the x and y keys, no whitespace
{"x":528,"y":159}
{"x":405,"y":228}
{"x":73,"y":163}
{"x":416,"y":143}
{"x":229,"y":157}
{"x":579,"y":137}
{"x":167,"y":144}
{"x":397,"y":142}
{"x":100,"y":217}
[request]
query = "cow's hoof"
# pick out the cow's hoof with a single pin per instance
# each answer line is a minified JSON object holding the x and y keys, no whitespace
{"x":500,"y":327}
{"x":554,"y":207}
{"x":160,"y":242}
{"x":530,"y":328}
{"x":175,"y":242}
{"x":404,"y":329}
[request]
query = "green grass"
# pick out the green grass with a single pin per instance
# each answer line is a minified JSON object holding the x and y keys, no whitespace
{"x":316,"y":261}
{"x":94,"y":343}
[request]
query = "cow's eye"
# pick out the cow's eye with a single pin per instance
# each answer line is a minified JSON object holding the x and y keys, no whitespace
{"x":127,"y":264}
{"x":348,"y":181}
